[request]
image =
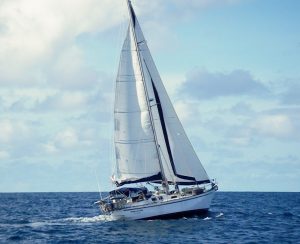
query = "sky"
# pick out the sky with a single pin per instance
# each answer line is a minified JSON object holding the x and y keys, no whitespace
{"x":231,"y":68}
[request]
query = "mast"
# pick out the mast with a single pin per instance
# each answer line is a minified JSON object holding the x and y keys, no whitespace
{"x":132,"y":23}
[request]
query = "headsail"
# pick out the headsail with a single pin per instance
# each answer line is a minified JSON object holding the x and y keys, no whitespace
{"x":149,"y":138}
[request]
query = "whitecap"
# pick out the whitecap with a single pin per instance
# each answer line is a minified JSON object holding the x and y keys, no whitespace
{"x":207,"y":218}
{"x":37,"y":224}
{"x":219,"y":215}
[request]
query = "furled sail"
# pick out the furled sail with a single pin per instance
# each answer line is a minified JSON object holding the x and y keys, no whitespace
{"x":147,"y":150}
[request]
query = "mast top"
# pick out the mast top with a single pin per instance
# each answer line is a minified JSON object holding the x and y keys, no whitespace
{"x":131,"y":13}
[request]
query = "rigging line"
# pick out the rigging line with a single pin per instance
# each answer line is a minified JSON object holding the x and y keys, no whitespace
{"x":97,"y":179}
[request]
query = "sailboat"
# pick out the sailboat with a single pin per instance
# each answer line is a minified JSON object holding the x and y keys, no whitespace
{"x":158,"y":174}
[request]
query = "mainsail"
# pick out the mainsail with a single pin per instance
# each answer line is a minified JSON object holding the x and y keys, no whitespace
{"x":150,"y":142}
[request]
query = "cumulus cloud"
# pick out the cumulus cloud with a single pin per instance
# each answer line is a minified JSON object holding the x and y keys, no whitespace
{"x":69,"y":71}
{"x":35,"y":33}
{"x":278,"y":125}
{"x":70,"y":139}
{"x":17,"y":139}
{"x":64,"y":101}
{"x":202,"y":84}
{"x":38,"y":38}
{"x":187,"y":111}
{"x":67,"y":139}
{"x":13,"y":131}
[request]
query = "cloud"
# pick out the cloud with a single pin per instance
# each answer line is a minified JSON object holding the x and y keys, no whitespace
{"x":64,"y":101}
{"x":159,"y":19}
{"x":280,"y":123}
{"x":4,"y":155}
{"x":202,"y":84}
{"x":18,"y":139}
{"x":202,"y":4}
{"x":39,"y":36}
{"x":38,"y":39}
{"x":13,"y":131}
{"x":187,"y":111}
{"x":279,"y":126}
{"x":177,"y":8}
{"x":34,"y":34}
{"x":70,"y":139}
{"x":50,"y":148}
{"x":291,"y":95}
{"x":69,"y":71}
{"x":67,"y":138}
{"x":242,"y":108}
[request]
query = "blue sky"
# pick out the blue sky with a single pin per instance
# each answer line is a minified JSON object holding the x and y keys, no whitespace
{"x":231,"y":68}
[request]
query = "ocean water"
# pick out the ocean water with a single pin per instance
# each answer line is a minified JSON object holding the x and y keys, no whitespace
{"x":235,"y":217}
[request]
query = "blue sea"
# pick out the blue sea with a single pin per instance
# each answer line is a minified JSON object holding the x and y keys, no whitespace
{"x":234,"y":217}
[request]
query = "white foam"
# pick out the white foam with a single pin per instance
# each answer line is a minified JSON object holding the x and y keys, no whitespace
{"x":38,"y":224}
{"x":207,"y":218}
{"x":99,"y":218}
{"x":219,"y":215}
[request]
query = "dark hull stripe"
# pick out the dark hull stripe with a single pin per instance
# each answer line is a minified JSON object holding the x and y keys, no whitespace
{"x":191,"y":213}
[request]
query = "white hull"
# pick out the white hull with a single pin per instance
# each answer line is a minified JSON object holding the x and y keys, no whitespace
{"x":166,"y":209}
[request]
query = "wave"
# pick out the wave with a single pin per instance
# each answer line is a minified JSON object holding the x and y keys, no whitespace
{"x":99,"y":218}
{"x":64,"y":221}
